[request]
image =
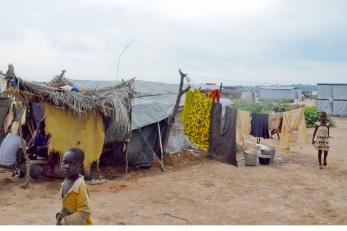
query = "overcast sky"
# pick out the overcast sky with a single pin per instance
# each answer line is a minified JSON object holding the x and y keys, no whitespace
{"x":234,"y":41}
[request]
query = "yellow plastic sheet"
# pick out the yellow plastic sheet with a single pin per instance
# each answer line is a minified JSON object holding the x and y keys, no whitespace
{"x":68,"y":131}
{"x":293,"y":121}
{"x":196,"y":119}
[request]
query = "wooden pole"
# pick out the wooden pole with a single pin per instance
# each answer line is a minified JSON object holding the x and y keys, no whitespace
{"x":126,"y":157}
{"x":220,"y":89}
{"x":27,"y":175}
{"x":171,"y":118}
{"x":128,"y":141}
{"x":161,"y":147}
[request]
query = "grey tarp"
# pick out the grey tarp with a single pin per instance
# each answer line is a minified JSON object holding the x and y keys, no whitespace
{"x":141,"y":152}
{"x":223,"y":142}
{"x":148,"y":113}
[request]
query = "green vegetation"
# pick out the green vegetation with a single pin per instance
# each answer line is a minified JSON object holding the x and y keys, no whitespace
{"x":312,"y":116}
{"x":311,"y":113}
{"x":265,"y":106}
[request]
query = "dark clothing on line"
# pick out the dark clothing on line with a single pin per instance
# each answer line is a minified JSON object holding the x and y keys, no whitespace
{"x":260,"y":125}
{"x":223,"y":143}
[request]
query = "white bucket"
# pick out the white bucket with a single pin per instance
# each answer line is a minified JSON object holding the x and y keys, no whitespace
{"x":250,"y":158}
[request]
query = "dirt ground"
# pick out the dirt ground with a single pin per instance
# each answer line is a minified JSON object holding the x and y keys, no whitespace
{"x":199,"y":191}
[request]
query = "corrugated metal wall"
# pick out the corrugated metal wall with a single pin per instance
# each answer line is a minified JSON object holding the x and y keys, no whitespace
{"x":332,"y":98}
{"x":277,"y":94}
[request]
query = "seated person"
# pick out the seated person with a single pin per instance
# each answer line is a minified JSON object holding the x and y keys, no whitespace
{"x":40,"y":143}
{"x":11,"y":153}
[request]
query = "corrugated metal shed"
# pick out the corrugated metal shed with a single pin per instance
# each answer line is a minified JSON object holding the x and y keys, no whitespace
{"x":332,"y":98}
{"x":279,"y":93}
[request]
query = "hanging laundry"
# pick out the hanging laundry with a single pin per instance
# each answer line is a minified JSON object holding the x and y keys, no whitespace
{"x":196,"y":119}
{"x":275,"y":123}
{"x":293,"y":121}
{"x":223,"y":143}
{"x":243,"y":126}
{"x":68,"y":130}
{"x":260,"y":126}
{"x":214,"y":95}
{"x":187,"y":106}
{"x":215,"y":129}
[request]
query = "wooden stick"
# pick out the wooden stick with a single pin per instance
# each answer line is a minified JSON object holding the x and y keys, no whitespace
{"x":128,"y":141}
{"x":27,"y":175}
{"x":171,"y":118}
{"x":154,"y":154}
{"x":161,"y":147}
{"x":126,"y":157}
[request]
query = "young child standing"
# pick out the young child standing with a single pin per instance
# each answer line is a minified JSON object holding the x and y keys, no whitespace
{"x":75,"y":197}
{"x":321,"y":144}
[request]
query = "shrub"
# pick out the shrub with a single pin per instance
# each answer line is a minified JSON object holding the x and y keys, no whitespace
{"x":264,"y":106}
{"x":312,"y":115}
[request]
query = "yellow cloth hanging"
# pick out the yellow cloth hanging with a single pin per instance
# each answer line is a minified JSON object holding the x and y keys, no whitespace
{"x":68,"y":131}
{"x":187,"y":105}
{"x":243,"y":126}
{"x":196,"y":119}
{"x":293,"y":121}
{"x":275,"y":121}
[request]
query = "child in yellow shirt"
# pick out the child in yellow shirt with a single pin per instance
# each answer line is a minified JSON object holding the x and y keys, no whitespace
{"x":75,"y":197}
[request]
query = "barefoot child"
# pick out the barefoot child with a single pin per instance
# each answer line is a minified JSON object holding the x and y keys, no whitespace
{"x":322,"y":142}
{"x":75,"y":197}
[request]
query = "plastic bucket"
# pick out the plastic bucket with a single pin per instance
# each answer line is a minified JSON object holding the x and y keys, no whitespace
{"x":250,"y":158}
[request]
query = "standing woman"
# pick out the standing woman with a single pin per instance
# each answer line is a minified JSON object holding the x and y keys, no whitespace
{"x":321,"y":144}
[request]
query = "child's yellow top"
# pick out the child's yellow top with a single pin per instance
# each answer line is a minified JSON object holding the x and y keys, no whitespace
{"x":77,"y":204}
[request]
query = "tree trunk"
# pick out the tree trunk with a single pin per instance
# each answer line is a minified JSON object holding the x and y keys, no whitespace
{"x":171,"y":118}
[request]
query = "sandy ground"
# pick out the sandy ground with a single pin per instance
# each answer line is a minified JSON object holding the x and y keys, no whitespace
{"x":198,"y":191}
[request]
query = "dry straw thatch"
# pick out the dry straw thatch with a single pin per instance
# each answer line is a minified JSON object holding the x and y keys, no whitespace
{"x":113,"y":102}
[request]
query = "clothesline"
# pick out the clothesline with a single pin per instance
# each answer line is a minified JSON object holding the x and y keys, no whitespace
{"x":197,"y":119}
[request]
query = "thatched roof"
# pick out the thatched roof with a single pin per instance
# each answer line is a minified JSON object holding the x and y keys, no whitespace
{"x":113,"y":102}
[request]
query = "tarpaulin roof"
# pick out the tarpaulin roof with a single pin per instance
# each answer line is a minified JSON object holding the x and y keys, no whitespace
{"x":153,"y":103}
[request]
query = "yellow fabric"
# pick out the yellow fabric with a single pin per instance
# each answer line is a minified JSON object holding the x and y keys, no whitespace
{"x":68,"y":131}
{"x":77,"y":203}
{"x":274,"y":121}
{"x":187,"y":105}
{"x":293,"y":121}
{"x":197,"y":119}
{"x":243,"y":126}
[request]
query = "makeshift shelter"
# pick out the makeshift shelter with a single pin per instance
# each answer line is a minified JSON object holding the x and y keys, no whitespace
{"x":332,"y":98}
{"x":77,"y":117}
{"x":151,"y":108}
{"x":280,"y":93}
